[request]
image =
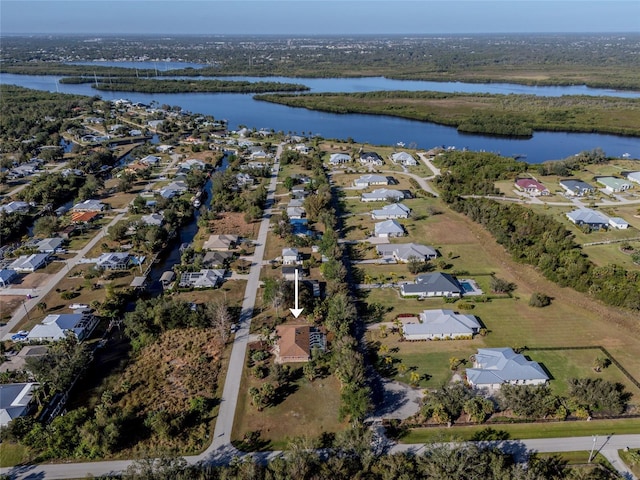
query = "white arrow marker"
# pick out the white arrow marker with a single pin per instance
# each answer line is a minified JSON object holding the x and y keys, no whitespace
{"x":296,"y":311}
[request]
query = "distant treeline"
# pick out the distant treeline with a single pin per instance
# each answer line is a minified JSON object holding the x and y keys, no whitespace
{"x":129,"y":84}
{"x":531,"y":238}
{"x":509,"y":115}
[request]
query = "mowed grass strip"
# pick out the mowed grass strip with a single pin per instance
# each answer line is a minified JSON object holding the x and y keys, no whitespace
{"x":626,"y":426}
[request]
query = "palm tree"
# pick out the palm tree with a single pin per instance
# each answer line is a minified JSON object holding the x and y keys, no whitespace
{"x":41,"y":306}
{"x":414,"y":378}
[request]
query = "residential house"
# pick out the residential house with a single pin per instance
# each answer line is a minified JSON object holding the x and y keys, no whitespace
{"x":29,"y":263}
{"x":7,"y":276}
{"x":216,"y":259}
{"x":370,"y":179}
{"x":619,"y":223}
{"x":206,"y":278}
{"x":296,"y":342}
{"x":192,"y":163}
{"x":613,"y":184}
{"x":371,"y":158}
{"x":300,"y":227}
{"x":586,"y":216}
{"x":55,"y":327}
{"x":83,"y":217}
{"x":404,"y":158}
{"x":432,"y":285}
{"x":114,"y":261}
{"x":151,"y":160}
{"x":296,"y":202}
{"x":296,"y":212}
{"x":577,"y":188}
{"x":302,"y":148}
{"x":493,"y":367}
{"x":15,"y":207}
{"x":167,"y":278}
{"x":289,"y":273}
{"x":72,"y":171}
{"x":88,"y":206}
{"x":393,"y":210}
{"x":634,"y":177}
{"x":244,"y":179}
{"x":339,"y":158}
{"x":443,"y":324}
{"x":156,"y":219}
{"x":220,"y":242}
{"x":388,"y":229}
{"x":173,"y":189}
{"x":383,"y":195}
{"x":403,"y":252}
{"x":15,"y":401}
{"x":154,"y":123}
{"x":291,"y":256}
{"x":50,"y":245}
{"x":136,"y":168}
{"x":532,"y":187}
{"x":299,"y":191}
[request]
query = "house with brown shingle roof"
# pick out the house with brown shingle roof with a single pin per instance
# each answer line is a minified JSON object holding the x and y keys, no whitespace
{"x":295,"y":343}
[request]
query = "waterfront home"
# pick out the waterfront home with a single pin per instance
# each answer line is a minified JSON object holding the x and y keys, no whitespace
{"x":220,"y":242}
{"x":55,"y":327}
{"x":403,"y":252}
{"x":382,"y":195}
{"x":339,"y":158}
{"x":15,"y":207}
{"x":205,"y":278}
{"x":577,"y":188}
{"x":393,"y":210}
{"x":532,"y":187}
{"x":432,"y":285}
{"x":156,"y":219}
{"x":371,"y":158}
{"x":586,"y":216}
{"x":494,"y":367}
{"x":296,"y":342}
{"x":613,"y":184}
{"x":404,"y":158}
{"x":114,"y":261}
{"x":441,"y":324}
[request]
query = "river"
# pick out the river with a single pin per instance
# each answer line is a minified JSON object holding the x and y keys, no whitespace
{"x":242,"y":109}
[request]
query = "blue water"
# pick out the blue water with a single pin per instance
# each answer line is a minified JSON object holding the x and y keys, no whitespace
{"x":242,"y":109}
{"x":466,"y":287}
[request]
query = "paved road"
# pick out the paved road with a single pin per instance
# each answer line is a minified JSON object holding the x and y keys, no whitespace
{"x":53,"y":280}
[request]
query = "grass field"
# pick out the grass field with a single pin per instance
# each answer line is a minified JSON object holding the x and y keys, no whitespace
{"x":528,"y":430}
{"x":12,"y":454}
{"x":310,"y":410}
{"x":631,"y":462}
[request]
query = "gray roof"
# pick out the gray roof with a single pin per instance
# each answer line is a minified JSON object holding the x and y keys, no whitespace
{"x":29,"y":262}
{"x":16,"y":206}
{"x":439,"y":282}
{"x":404,"y":251}
{"x":402,"y":157}
{"x":383,"y":194}
{"x":392,"y":210}
{"x":202,"y":279}
{"x":55,"y":326}
{"x":370,"y":178}
{"x":388,"y":227}
{"x":49,"y":244}
{"x":588,"y":216}
{"x":89,"y":206}
{"x":576,"y":185}
{"x":499,"y":365}
{"x":14,"y":400}
{"x":443,"y":322}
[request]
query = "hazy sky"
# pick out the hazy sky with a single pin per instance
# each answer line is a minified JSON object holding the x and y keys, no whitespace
{"x":304,"y":17}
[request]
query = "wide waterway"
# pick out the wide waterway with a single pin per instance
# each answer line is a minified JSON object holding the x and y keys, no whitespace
{"x":242,"y":109}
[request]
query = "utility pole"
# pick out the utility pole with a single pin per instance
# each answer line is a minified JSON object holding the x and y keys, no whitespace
{"x":593,"y":447}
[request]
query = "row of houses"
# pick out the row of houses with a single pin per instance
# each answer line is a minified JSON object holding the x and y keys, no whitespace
{"x":373,"y":159}
{"x":579,"y":188}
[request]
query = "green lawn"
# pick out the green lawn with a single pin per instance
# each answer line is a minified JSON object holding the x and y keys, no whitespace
{"x":529,"y":430}
{"x":12,"y":454}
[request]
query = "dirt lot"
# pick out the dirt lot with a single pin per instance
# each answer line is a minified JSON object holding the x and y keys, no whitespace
{"x":33,"y":280}
{"x":232,"y":223}
{"x":8,"y":304}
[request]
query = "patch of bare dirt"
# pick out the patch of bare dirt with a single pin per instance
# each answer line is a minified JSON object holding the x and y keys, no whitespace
{"x":233,"y":223}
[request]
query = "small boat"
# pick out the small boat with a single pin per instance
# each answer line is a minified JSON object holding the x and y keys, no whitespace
{"x":197,"y":203}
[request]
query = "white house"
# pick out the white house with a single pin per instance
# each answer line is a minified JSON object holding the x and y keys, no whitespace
{"x":619,"y":223}
{"x":404,"y":158}
{"x":382,"y":195}
{"x":634,"y":177}
{"x":403,"y":252}
{"x":55,"y":327}
{"x":371,"y":179}
{"x":388,"y":229}
{"x":15,"y":400}
{"x":444,"y":324}
{"x":339,"y":158}
{"x":393,"y":210}
{"x":114,"y":261}
{"x":495,"y":366}
{"x":29,"y":263}
{"x":15,"y":207}
{"x":371,"y":158}
{"x":290,"y":256}
{"x":50,"y":245}
{"x":155,"y":219}
{"x":613,"y":184}
{"x":202,"y":279}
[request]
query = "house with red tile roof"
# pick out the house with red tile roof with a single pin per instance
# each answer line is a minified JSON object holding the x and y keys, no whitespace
{"x":532,"y":187}
{"x":296,"y":342}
